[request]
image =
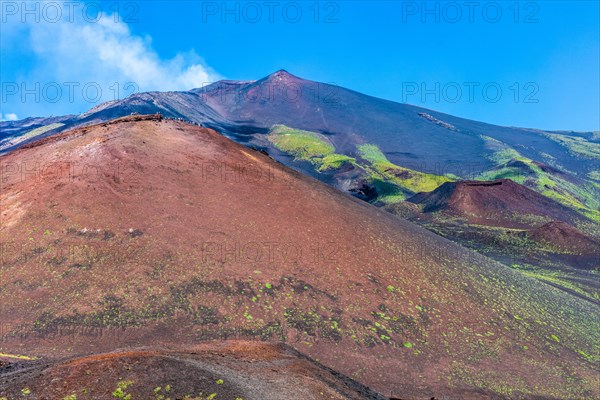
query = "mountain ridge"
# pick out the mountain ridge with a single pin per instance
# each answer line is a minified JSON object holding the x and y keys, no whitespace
{"x":321,"y":99}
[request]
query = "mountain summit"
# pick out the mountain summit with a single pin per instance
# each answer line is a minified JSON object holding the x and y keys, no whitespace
{"x":282,"y":75}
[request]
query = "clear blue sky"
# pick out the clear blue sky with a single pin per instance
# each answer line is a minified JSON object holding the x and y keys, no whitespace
{"x":549,"y":50}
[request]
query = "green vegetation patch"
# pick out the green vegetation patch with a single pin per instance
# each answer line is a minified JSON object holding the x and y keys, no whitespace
{"x":42,"y":129}
{"x":512,"y":165}
{"x":335,"y":161}
{"x":501,"y":152}
{"x":392,"y":182}
{"x":31,"y":134}
{"x":304,"y":145}
{"x":395,"y":183}
{"x":308,"y":146}
{"x":577,"y":146}
{"x":595,"y":175}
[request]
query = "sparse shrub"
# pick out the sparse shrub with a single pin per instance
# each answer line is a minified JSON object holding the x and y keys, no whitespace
{"x":120,"y":393}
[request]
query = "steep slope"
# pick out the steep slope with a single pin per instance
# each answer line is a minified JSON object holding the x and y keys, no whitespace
{"x":220,"y":370}
{"x":142,"y":231}
{"x":186,"y":105}
{"x":412,"y":137}
{"x":501,"y":202}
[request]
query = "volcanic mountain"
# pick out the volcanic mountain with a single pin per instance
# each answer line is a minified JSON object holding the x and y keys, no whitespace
{"x":143,"y":231}
{"x":377,"y":150}
{"x":501,"y":202}
{"x":414,"y":137}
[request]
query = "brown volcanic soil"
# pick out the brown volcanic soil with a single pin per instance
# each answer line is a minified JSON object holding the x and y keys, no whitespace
{"x":498,"y":203}
{"x":566,"y":237}
{"x":232,"y":369}
{"x":152,"y":232}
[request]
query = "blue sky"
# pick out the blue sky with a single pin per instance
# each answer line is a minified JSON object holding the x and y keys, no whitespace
{"x":531,"y":64}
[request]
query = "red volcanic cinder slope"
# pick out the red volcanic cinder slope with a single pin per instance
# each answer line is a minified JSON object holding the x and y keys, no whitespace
{"x":149,"y":232}
{"x":501,"y":202}
{"x":565,"y":236}
{"x":229,"y":370}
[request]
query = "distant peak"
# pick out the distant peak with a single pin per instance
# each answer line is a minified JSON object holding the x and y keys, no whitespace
{"x":282,"y":74}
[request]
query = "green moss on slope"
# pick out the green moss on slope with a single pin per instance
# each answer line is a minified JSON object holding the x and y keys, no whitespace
{"x":335,"y":161}
{"x":303,"y":145}
{"x":11,"y":141}
{"x":395,"y":183}
{"x":577,"y":146}
{"x":392,"y":182}
{"x":308,"y":146}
